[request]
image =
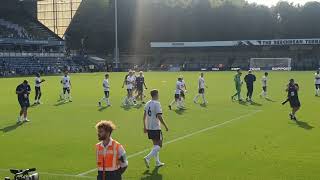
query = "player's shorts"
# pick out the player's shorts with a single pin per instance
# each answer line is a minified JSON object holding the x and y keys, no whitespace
{"x":140,"y":89}
{"x":294,"y":102}
{"x":155,"y":134}
{"x":66,"y":89}
{"x":106,"y":94}
{"x":317,"y":86}
{"x":182,"y":94}
{"x":37,"y":89}
{"x":177,"y":96}
{"x":24,"y":103}
{"x":201,"y":91}
{"x":264,"y":88}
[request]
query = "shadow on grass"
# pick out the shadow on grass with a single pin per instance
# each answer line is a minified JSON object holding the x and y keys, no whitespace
{"x":11,"y":127}
{"x":125,"y":107}
{"x":62,"y":103}
{"x":304,"y":125}
{"x":268,"y":99}
{"x":243,"y":103}
{"x":102,"y":108}
{"x":154,"y":175}
{"x":203,"y":105}
{"x":180,"y":111}
{"x":255,"y":103}
{"x":138,"y":106}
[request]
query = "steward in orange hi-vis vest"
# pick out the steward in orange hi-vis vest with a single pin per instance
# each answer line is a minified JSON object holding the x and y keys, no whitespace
{"x":111,"y":156}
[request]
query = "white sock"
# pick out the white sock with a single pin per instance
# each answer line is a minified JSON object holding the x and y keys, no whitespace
{"x":203,"y":98}
{"x":158,"y":157}
{"x":196,"y":98}
{"x":173,"y":101}
{"x":317,"y":91}
{"x":153,"y":152}
{"x":107,"y":101}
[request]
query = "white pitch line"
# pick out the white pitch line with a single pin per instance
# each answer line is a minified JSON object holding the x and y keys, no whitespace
{"x":182,"y":137}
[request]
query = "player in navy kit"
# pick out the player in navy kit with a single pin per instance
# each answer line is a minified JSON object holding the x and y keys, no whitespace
{"x":293,"y":98}
{"x":23,"y":90}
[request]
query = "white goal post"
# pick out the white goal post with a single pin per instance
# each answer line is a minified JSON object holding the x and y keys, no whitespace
{"x":276,"y":64}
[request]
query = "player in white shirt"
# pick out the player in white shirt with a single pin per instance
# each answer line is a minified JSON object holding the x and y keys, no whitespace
{"x":177,"y":95}
{"x":37,"y":85}
{"x":184,"y":89}
{"x":66,"y":84}
{"x":201,"y":86}
{"x":152,"y":120}
{"x":106,"y":89}
{"x":264,"y":82}
{"x":129,"y":99}
{"x":317,"y":83}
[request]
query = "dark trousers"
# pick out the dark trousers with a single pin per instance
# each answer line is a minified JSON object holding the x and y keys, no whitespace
{"x":109,"y":175}
{"x":249,"y":91}
{"x":38,"y":93}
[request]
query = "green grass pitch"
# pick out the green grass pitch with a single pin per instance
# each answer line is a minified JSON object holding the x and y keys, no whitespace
{"x":224,"y":141}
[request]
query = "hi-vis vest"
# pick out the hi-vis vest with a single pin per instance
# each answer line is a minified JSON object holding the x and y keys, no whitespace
{"x":107,"y":157}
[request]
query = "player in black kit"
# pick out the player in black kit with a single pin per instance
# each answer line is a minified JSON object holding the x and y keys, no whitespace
{"x":293,"y":98}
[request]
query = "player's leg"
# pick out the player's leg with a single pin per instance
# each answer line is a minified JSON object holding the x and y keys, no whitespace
{"x":317,"y":89}
{"x":107,"y":94}
{"x":36,"y":97}
{"x":204,"y":101}
{"x":195,"y":99}
{"x":20,"y":118}
{"x":39,"y":95}
{"x":250,"y":92}
{"x":156,"y":137}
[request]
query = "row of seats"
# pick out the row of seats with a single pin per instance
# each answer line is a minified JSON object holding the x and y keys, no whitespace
{"x":46,"y":65}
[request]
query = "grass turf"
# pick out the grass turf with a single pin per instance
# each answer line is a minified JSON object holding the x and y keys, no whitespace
{"x":249,"y":142}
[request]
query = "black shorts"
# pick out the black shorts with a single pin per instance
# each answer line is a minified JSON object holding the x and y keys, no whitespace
{"x":66,"y":90}
{"x":264,"y":88}
{"x":106,"y":94}
{"x":182,"y":94}
{"x":37,"y":89}
{"x":177,"y":96}
{"x":155,"y":134}
{"x":201,"y":91}
{"x":24,"y":103}
{"x":294,"y":102}
{"x":140,"y":89}
{"x":317,"y":86}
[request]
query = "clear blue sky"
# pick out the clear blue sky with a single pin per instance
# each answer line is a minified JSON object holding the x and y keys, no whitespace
{"x":273,"y":2}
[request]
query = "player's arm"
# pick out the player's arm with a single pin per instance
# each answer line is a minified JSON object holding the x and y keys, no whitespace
{"x":159,"y":116}
{"x":144,"y":122}
{"x":19,"y":91}
{"x":122,"y":159}
{"x":145,"y":86}
{"x":297,"y":87}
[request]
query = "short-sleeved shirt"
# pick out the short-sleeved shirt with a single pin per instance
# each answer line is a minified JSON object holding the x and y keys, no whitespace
{"x":66,"y":81}
{"x":179,"y":87}
{"x":37,"y":82}
{"x":105,"y":84}
{"x":201,"y":83}
{"x":237,"y":79}
{"x":183,"y":84}
{"x":264,"y":81}
{"x":25,"y":91}
{"x":130,"y":82}
{"x":152,"y":110}
{"x":292,"y":91}
{"x":140,"y":82}
{"x":317,"y":79}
